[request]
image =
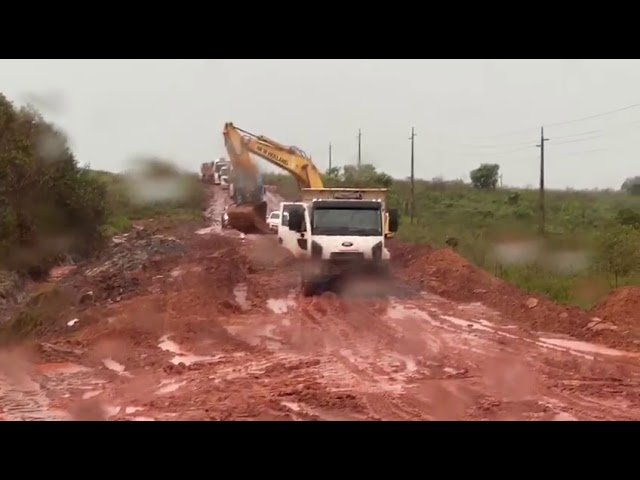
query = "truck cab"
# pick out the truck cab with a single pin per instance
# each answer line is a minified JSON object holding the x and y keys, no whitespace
{"x":341,"y":231}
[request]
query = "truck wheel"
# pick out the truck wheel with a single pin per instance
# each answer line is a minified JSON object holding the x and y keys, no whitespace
{"x":308,"y":284}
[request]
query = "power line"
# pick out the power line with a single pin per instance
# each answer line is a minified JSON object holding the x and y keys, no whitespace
{"x":580,"y":134}
{"x":503,"y":145}
{"x":628,"y":107}
{"x":578,"y":140}
{"x":567,"y":122}
{"x":583,"y":152}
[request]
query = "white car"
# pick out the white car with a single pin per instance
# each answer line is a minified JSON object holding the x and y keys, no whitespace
{"x":273,"y":220}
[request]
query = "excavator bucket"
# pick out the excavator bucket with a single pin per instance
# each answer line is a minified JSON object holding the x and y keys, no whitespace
{"x":248,"y":218}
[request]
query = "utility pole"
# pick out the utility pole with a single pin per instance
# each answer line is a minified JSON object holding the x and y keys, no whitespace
{"x":412,"y":138}
{"x":359,"y":148}
{"x":329,"y":155}
{"x":541,"y":226}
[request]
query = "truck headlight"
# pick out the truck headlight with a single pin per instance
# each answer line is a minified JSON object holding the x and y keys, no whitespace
{"x":316,"y":250}
{"x":376,"y":251}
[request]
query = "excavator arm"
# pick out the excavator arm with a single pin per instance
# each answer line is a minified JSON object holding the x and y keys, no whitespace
{"x":292,"y":159}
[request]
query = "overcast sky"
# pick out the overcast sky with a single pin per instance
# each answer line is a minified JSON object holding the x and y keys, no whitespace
{"x":464,"y":112}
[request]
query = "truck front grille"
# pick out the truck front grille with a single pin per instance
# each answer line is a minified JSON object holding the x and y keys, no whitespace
{"x":346,"y":256}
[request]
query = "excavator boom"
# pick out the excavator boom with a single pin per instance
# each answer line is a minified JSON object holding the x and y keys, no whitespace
{"x":290,"y":158}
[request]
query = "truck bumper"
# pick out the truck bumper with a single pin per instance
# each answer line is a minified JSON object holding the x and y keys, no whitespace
{"x":332,"y":268}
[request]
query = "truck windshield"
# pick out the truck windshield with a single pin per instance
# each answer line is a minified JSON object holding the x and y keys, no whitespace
{"x":345,"y":221}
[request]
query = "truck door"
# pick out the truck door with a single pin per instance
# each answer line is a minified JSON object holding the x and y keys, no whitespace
{"x":287,"y":238}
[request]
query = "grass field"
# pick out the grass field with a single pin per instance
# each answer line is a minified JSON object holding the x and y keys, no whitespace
{"x":176,"y":197}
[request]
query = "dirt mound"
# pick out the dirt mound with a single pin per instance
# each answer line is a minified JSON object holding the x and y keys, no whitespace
{"x":446,"y":271}
{"x":447,"y":274}
{"x":621,"y":308}
{"x":402,"y":254}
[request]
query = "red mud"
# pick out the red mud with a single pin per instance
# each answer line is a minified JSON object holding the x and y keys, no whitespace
{"x":219,"y":330}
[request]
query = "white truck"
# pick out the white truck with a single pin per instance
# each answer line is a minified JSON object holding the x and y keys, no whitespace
{"x":223,"y":176}
{"x":341,"y":231}
{"x":218,"y":165}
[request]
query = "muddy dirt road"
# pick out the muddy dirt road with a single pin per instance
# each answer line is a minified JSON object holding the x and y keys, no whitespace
{"x":220,"y":332}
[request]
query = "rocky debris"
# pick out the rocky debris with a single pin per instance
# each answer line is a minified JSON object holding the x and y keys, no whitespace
{"x":118,"y":276}
{"x":134,"y":252}
{"x":11,"y":287}
{"x":597,"y":325}
{"x":532,"y":302}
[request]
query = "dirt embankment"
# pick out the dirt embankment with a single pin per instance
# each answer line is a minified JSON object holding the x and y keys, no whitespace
{"x":620,"y":310}
{"x":446,"y":273}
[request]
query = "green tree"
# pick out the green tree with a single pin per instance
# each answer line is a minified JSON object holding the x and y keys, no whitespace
{"x":631,"y":185}
{"x":629,"y":217}
{"x":49,"y":206}
{"x":485,"y":177}
{"x":618,"y":252}
{"x":365,"y":175}
{"x":332,"y":177}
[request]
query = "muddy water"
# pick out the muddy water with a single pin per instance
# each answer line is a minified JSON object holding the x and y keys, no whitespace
{"x":584,"y":347}
{"x":181,"y":355}
{"x":25,"y":400}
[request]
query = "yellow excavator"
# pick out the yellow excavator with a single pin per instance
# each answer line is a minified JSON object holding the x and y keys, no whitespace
{"x":250,"y":215}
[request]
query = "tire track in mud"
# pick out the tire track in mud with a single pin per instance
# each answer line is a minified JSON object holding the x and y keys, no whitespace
{"x":429,"y":358}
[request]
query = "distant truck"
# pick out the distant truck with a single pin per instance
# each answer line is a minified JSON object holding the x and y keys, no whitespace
{"x":218,"y":166}
{"x":224,"y":174}
{"x":207,"y":173}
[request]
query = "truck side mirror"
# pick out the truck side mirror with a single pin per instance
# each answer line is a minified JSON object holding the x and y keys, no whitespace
{"x":393,"y":219}
{"x":296,"y":219}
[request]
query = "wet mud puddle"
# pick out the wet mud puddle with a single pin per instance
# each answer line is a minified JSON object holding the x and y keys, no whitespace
{"x":24,"y":398}
{"x":240,"y":292}
{"x":183,"y":356}
{"x":399,"y":311}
